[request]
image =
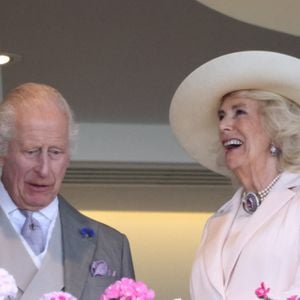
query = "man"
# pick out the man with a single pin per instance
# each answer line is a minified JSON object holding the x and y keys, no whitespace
{"x":55,"y":247}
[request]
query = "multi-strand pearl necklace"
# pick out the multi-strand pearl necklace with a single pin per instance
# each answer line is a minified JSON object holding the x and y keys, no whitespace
{"x":251,"y":200}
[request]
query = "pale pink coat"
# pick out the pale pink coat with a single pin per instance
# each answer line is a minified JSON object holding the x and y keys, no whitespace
{"x":268,"y":249}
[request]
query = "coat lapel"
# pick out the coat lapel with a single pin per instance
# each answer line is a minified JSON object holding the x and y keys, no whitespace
{"x":278,"y":197}
{"x":217,"y":231}
{"x":76,"y":265}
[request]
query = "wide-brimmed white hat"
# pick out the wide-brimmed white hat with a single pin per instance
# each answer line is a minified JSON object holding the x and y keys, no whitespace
{"x":193,"y":111}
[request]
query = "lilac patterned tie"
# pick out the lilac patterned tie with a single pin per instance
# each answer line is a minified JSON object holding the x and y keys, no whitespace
{"x":32,"y":232}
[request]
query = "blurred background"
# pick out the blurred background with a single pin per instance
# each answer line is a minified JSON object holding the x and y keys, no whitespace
{"x":118,"y":63}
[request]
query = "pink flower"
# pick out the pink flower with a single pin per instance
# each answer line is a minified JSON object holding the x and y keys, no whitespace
{"x":8,"y":286}
{"x":58,"y":296}
{"x":262,"y":292}
{"x":128,"y":289}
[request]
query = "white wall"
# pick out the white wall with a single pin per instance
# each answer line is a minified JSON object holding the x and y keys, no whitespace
{"x":128,"y":143}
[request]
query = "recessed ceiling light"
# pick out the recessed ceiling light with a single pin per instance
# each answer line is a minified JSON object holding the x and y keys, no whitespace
{"x":4,"y":59}
{"x":7,"y":58}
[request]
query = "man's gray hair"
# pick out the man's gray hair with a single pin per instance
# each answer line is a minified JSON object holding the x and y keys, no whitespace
{"x":29,"y":96}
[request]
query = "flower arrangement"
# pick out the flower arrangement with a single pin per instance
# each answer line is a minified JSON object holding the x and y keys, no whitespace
{"x":128,"y":289}
{"x":8,"y":286}
{"x":58,"y":296}
{"x":262,"y":293}
{"x":123,"y":289}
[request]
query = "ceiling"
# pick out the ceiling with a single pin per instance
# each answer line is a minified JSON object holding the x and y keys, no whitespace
{"x":120,"y":61}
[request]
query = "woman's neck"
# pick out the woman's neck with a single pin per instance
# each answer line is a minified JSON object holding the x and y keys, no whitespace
{"x":257,"y":179}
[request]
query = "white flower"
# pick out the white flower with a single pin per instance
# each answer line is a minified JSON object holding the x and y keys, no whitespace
{"x":57,"y":296}
{"x":8,"y":287}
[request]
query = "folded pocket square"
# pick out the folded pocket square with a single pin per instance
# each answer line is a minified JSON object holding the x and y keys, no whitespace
{"x":101,"y":268}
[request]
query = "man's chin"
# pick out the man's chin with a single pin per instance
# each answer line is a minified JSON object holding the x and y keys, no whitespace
{"x":38,"y":202}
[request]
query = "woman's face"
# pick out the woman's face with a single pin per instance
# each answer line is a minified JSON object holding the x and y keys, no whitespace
{"x":246,"y":144}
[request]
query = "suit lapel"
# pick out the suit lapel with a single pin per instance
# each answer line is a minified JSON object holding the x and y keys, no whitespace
{"x":76,"y":265}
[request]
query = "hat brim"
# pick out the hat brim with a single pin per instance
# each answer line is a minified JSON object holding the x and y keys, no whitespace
{"x":193,"y":110}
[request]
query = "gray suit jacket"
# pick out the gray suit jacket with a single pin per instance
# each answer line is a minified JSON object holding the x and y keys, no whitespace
{"x":107,"y":246}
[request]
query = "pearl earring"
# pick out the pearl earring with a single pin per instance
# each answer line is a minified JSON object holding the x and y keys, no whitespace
{"x":274,"y":150}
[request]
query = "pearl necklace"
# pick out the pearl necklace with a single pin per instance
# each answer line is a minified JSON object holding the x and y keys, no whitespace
{"x":251,"y":200}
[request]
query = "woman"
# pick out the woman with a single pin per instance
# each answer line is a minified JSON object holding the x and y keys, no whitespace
{"x":239,"y":115}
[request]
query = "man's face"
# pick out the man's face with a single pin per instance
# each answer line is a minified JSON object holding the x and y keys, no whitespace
{"x":37,"y":158}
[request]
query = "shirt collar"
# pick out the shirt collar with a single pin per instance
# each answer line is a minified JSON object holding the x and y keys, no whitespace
{"x":10,"y":207}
